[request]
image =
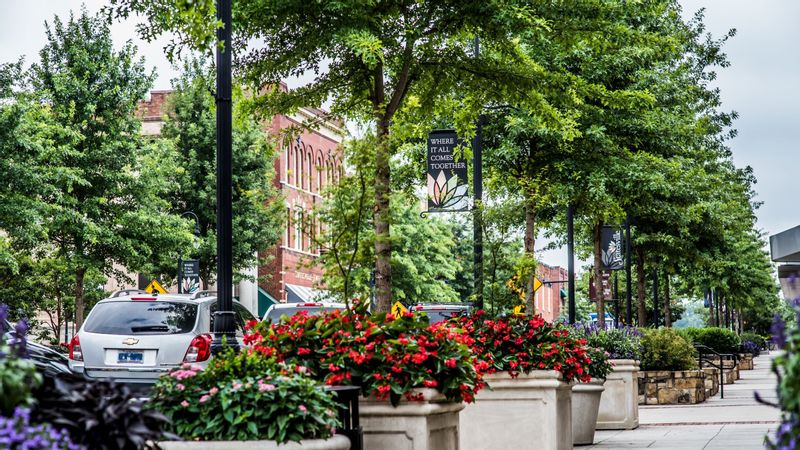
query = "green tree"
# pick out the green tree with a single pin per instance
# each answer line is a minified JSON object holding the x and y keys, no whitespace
{"x":387,"y":64}
{"x":190,"y":125}
{"x":103,"y":212}
{"x":424,"y":263}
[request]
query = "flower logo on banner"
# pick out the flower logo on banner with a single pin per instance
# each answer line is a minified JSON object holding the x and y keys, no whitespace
{"x":444,"y":192}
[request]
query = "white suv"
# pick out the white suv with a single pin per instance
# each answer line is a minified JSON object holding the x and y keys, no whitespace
{"x":275,"y":312}
{"x":134,"y":336}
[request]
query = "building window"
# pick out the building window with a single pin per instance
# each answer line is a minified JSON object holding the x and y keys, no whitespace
{"x":319,"y":174}
{"x":298,"y":230}
{"x":298,"y":167}
{"x":287,"y":234}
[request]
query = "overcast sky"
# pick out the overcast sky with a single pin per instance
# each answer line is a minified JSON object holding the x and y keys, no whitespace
{"x":760,"y":84}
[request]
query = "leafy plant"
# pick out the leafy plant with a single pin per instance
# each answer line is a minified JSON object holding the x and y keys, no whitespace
{"x":722,"y":340}
{"x":620,"y":343}
{"x":664,"y":349}
{"x":98,"y":414}
{"x":755,"y":338}
{"x":18,"y":375}
{"x":245,"y":396}
{"x":600,"y":364}
{"x":521,"y":344}
{"x":387,"y":356}
{"x":787,"y":368}
{"x":751,"y":347}
{"x":17,"y":432}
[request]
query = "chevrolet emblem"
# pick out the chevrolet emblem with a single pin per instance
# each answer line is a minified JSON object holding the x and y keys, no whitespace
{"x":130,"y":341}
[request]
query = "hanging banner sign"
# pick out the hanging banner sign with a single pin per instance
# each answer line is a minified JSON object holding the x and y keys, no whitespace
{"x":611,"y":248}
{"x":190,"y":276}
{"x":448,"y":188}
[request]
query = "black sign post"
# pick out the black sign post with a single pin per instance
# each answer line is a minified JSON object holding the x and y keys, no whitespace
{"x":188,"y":276}
{"x":611,"y":248}
{"x":448,"y":187}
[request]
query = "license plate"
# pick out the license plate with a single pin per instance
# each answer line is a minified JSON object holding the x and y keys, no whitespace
{"x":129,"y":357}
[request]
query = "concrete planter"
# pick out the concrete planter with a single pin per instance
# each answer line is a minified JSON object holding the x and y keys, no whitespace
{"x":430,"y":424}
{"x":619,"y":404}
{"x":663,"y":387}
{"x":336,"y":442}
{"x":531,"y":411}
{"x":585,"y":406}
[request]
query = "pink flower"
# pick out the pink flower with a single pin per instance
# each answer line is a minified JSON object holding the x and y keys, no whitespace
{"x":266,"y":387}
{"x":237,"y":385}
{"x":213,"y":391}
{"x":204,"y":398}
{"x":185,"y":404}
{"x":180,"y":387}
{"x":303,"y":409}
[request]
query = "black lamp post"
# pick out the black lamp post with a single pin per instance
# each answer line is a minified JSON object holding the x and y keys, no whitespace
{"x":180,"y":255}
{"x":224,"y":331}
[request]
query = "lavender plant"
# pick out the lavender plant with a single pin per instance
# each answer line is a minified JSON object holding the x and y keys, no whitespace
{"x":787,"y":368}
{"x":17,"y":432}
{"x":18,"y":375}
{"x":619,"y":343}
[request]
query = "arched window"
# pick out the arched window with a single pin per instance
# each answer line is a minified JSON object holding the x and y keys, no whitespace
{"x":298,"y":167}
{"x":319,"y":174}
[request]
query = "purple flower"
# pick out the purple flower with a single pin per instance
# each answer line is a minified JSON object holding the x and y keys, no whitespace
{"x":19,"y":341}
{"x":3,"y":318}
{"x":778,"y":331}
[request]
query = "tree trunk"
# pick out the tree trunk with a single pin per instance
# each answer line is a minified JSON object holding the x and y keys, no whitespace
{"x":667,"y":305}
{"x":79,"y":301}
{"x":598,"y":276}
{"x":640,"y":282}
{"x":383,"y":249}
{"x":530,"y":241}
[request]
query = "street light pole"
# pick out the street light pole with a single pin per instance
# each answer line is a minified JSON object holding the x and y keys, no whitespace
{"x":571,"y":263}
{"x":628,"y":296}
{"x":224,"y":331}
{"x":477,"y":218}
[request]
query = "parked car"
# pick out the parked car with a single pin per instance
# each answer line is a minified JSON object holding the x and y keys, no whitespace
{"x":439,"y":312}
{"x":46,"y":359}
{"x":134,"y":337}
{"x":275,"y":312}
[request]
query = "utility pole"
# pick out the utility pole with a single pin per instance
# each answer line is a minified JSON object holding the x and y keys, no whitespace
{"x":571,"y":263}
{"x":477,"y":216}
{"x":224,"y":331}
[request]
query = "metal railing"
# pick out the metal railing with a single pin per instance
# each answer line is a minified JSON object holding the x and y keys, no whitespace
{"x":702,"y":350}
{"x":347,"y":396}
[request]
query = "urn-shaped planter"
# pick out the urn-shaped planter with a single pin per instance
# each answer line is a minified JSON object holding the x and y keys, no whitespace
{"x":336,"y":442}
{"x":619,"y":403}
{"x":531,"y":411}
{"x":585,"y":406}
{"x":429,"y":424}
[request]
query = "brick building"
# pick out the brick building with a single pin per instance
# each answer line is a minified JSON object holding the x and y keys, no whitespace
{"x":548,"y":297}
{"x":304,"y":168}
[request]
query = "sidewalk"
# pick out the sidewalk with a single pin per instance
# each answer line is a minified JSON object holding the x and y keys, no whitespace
{"x":736,"y":423}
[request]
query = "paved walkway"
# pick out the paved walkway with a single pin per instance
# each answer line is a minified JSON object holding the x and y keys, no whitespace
{"x":737,"y":422}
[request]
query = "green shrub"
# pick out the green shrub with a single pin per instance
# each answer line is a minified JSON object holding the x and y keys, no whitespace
{"x":722,"y":340}
{"x":754,"y":338}
{"x":665,"y":349}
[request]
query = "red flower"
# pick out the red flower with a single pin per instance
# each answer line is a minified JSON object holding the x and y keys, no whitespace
{"x":450,"y":363}
{"x":430,"y":383}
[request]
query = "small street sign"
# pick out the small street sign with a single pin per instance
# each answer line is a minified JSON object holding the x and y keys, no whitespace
{"x":398,"y":309}
{"x":537,"y":283}
{"x":518,"y":310}
{"x":155,"y":286}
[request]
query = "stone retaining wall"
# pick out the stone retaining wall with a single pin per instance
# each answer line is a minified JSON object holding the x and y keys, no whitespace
{"x":746,"y":361}
{"x":712,"y":381}
{"x":661,"y":387}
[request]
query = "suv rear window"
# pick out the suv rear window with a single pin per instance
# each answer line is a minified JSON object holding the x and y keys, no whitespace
{"x":440,"y":315}
{"x":274,"y":316}
{"x":142,"y":317}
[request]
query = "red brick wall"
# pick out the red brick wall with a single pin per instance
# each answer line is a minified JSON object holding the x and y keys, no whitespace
{"x":548,"y":297}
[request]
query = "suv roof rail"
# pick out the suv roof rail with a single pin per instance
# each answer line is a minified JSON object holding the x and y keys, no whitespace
{"x":122,"y":292}
{"x":201,"y":294}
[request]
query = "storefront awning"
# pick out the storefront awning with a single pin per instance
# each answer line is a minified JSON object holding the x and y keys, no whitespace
{"x":297,"y":294}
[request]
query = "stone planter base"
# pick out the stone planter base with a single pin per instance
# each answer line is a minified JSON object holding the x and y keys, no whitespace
{"x":532,"y":411}
{"x":585,"y":406}
{"x":670,"y":388}
{"x":619,"y":406}
{"x":431,"y":424}
{"x":746,"y":361}
{"x":712,"y":381}
{"x":337,"y":442}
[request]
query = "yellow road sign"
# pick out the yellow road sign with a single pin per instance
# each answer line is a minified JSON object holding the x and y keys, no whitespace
{"x":518,"y":310}
{"x":398,"y":309}
{"x":536,"y":284}
{"x":155,"y":286}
